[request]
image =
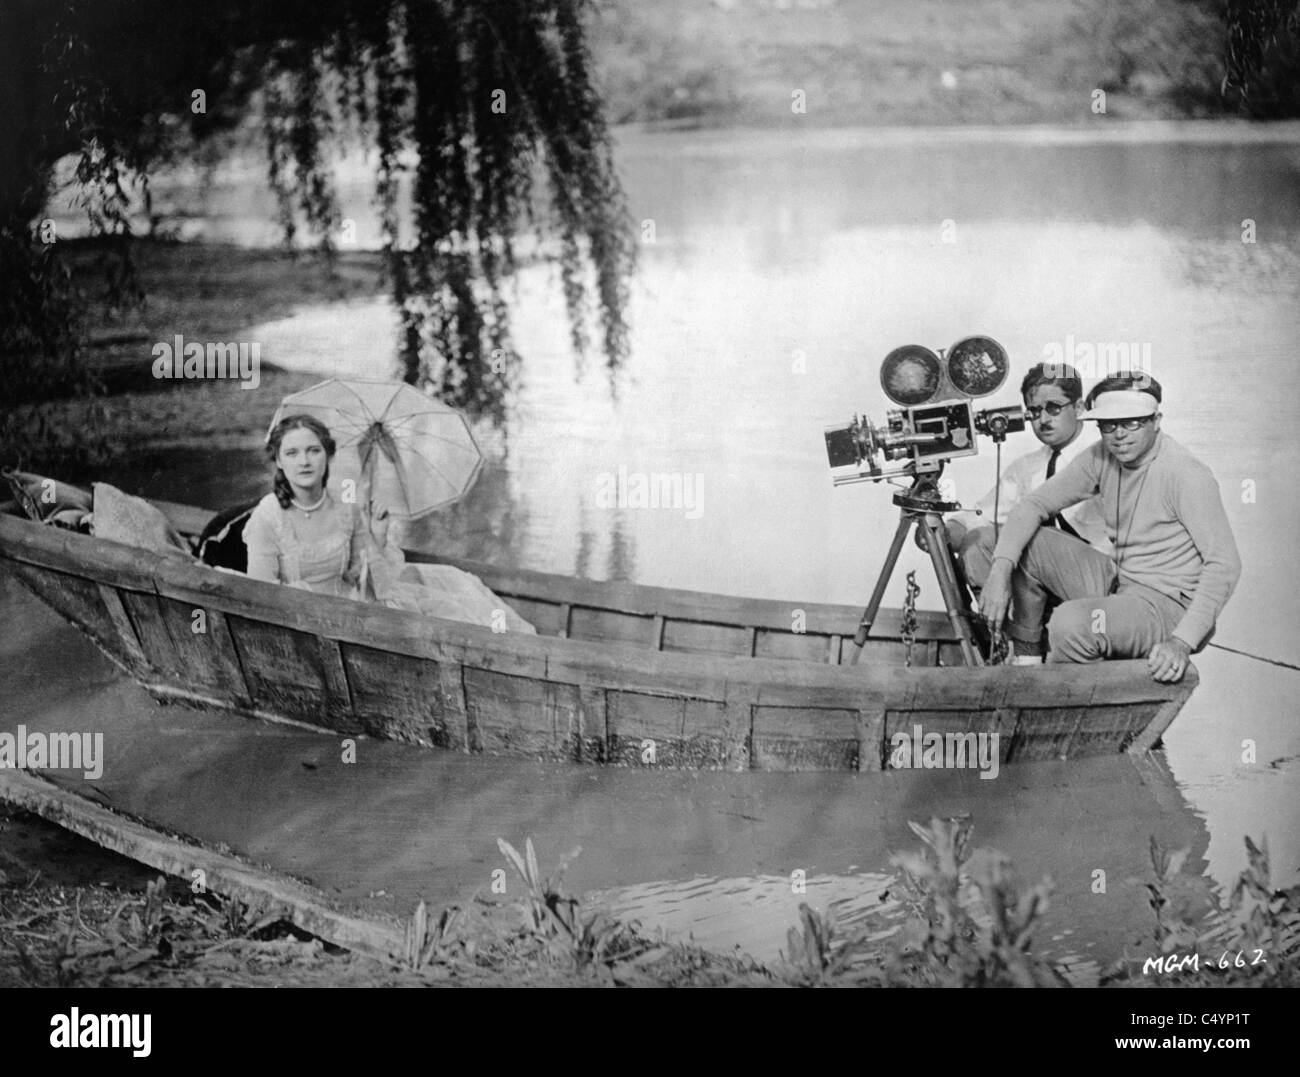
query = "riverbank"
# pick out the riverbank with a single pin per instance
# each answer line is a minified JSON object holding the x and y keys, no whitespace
{"x":124,"y":417}
{"x":759,"y":63}
{"x":75,"y":915}
{"x":970,"y":925}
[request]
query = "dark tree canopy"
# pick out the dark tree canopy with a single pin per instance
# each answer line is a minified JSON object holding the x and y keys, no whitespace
{"x":488,"y":107}
{"x":1263,"y":56}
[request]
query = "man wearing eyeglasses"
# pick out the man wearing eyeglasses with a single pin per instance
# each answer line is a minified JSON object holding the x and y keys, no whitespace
{"x":1052,"y":393}
{"x":1174,"y":562}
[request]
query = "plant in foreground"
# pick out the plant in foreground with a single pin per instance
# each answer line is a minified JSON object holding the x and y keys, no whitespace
{"x":1251,"y":939}
{"x":593,"y":940}
{"x":977,"y":935}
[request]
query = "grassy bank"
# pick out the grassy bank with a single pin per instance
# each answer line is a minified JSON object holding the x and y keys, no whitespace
{"x":971,"y":924}
{"x":120,"y":413}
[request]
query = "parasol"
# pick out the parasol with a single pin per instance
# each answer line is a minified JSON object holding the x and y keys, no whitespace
{"x":403,"y":448}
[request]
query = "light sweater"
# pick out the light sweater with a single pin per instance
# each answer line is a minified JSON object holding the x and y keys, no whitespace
{"x":1165,"y":518}
{"x":1022,"y":477}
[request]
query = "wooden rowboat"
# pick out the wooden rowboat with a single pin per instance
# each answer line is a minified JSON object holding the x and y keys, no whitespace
{"x":619,"y":673}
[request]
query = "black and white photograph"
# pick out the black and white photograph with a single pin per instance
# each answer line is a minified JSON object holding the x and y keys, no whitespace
{"x":681,"y":493}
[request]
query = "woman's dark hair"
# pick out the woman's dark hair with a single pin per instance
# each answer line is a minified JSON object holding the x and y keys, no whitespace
{"x":1062,"y":375}
{"x":283,"y":491}
{"x":1143,"y":383}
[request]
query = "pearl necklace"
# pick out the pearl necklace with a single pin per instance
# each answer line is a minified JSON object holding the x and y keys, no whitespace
{"x":309,"y":509}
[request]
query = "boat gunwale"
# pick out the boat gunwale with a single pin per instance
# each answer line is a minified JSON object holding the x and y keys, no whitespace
{"x":649,"y":600}
{"x":613,"y":665}
{"x":699,"y":607}
{"x":637,"y":599}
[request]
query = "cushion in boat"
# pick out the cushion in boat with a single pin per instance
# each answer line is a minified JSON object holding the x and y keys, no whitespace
{"x":222,"y":543}
{"x":49,"y":501}
{"x":121,"y":517}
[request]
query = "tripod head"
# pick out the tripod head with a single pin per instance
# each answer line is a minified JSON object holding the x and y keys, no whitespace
{"x":924,"y":496}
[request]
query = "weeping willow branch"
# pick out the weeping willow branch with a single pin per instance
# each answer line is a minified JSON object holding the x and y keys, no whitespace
{"x":1263,"y":56}
{"x":484,"y":116}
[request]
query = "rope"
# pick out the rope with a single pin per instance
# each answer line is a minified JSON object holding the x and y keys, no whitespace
{"x":1257,"y":657}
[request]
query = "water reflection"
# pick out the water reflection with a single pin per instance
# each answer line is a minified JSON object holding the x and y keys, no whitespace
{"x":1176,"y":177}
{"x":1096,"y":915}
{"x":752,"y":915}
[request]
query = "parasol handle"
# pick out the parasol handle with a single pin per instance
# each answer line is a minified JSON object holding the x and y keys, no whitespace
{"x":378,"y":437}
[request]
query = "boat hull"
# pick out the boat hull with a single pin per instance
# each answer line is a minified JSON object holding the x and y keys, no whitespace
{"x":677,"y":687}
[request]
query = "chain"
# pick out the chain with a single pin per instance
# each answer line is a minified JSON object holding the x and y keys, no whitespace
{"x":909,"y":614}
{"x":1000,"y":647}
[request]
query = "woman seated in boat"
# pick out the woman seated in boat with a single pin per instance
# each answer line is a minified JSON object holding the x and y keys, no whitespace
{"x":301,"y":535}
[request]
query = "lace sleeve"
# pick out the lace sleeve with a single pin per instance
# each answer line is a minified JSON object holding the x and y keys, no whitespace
{"x":263,"y":546}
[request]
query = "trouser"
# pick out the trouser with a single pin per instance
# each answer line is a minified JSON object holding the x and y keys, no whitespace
{"x":975,"y":552}
{"x":975,"y":555}
{"x":1096,"y":618}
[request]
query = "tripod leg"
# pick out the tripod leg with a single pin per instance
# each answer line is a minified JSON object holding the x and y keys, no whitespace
{"x":966,"y":595}
{"x":946,"y":573}
{"x":882,"y":581}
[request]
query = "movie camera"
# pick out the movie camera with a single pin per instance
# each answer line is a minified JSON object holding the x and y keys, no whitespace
{"x":935,"y":421}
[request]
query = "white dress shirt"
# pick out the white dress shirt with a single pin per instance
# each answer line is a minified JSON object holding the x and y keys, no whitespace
{"x":1025,"y":474}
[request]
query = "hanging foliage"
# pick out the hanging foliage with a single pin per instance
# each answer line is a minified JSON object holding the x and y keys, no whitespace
{"x":485,"y":112}
{"x":1263,"y":57}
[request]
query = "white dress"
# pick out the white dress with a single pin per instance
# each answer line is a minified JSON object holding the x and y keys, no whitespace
{"x":347,"y":562}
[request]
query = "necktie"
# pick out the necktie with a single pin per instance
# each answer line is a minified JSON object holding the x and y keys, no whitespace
{"x":1057,"y":521}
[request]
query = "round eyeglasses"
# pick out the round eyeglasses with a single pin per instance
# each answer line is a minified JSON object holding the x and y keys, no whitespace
{"x":1107,"y":426}
{"x":1052,"y":408}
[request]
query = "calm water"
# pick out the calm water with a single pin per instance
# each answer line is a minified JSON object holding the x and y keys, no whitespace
{"x":781,"y":271}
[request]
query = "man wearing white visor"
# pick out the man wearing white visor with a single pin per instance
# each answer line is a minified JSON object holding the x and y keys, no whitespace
{"x":1174,"y":565}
